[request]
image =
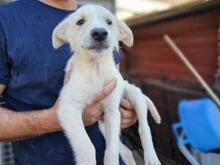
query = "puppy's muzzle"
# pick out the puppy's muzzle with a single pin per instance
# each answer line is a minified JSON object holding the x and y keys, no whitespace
{"x":99,"y":34}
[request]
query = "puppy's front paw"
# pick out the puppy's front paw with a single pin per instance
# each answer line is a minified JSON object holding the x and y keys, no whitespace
{"x":85,"y":157}
{"x":86,"y":160}
{"x":126,"y":155}
{"x":111,"y":158}
{"x":151,"y":159}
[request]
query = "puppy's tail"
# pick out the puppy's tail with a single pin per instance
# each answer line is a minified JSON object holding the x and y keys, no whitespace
{"x":153,"y":110}
{"x":130,"y":94}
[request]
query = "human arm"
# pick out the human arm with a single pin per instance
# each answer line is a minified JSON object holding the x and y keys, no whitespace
{"x":19,"y":125}
{"x":23,"y":125}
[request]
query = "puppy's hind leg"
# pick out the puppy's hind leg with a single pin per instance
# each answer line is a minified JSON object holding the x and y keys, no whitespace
{"x":124,"y":151}
{"x":137,"y":99}
{"x":70,"y":118}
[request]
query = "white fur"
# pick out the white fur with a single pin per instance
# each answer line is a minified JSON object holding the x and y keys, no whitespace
{"x":90,"y":71}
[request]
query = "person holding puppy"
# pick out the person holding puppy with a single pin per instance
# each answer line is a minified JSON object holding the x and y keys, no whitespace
{"x":31,"y":76}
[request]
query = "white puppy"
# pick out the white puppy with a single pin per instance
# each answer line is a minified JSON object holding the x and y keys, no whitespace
{"x":93,"y":33}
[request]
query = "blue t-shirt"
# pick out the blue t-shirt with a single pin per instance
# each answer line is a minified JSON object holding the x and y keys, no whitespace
{"x":33,"y":73}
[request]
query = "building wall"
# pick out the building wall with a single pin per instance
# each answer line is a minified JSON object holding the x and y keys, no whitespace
{"x":110,"y":4}
{"x":163,"y":76}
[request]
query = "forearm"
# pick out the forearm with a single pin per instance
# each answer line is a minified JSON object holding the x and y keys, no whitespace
{"x":22,"y":125}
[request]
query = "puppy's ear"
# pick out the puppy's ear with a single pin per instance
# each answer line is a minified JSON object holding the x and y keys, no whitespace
{"x":125,"y":34}
{"x":59,"y":34}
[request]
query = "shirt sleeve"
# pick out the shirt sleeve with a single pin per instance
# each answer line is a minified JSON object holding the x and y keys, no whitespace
{"x":4,"y":64}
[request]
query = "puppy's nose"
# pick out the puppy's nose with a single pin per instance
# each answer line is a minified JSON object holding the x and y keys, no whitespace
{"x":99,"y":34}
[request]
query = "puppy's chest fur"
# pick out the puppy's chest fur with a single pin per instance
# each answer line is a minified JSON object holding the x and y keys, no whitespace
{"x":88,"y":77}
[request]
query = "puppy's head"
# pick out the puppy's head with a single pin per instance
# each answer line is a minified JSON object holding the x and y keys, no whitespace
{"x":93,"y":31}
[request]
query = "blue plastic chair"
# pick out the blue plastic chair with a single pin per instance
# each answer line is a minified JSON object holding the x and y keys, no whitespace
{"x":199,"y":125}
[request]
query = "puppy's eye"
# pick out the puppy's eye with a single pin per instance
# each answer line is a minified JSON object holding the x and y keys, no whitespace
{"x":80,"y":22}
{"x":109,"y":22}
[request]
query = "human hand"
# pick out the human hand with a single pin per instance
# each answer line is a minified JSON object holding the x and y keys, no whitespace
{"x":93,"y":111}
{"x":128,"y":114}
